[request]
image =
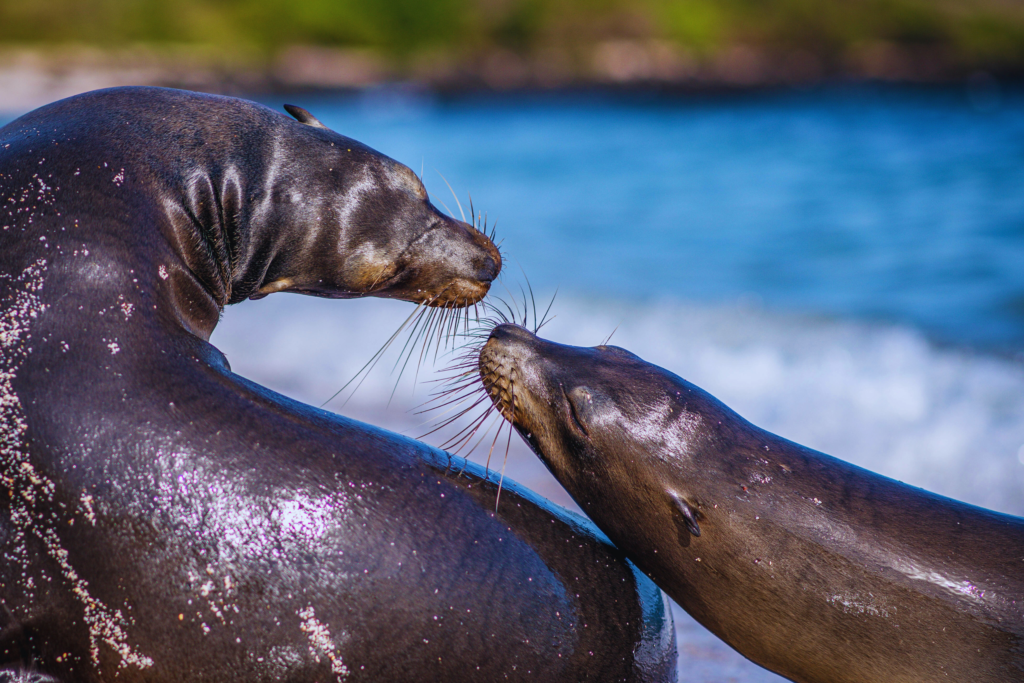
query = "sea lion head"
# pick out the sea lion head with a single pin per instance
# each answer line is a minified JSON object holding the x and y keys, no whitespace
{"x":619,"y":433}
{"x":217,"y":200}
{"x":348,"y":221}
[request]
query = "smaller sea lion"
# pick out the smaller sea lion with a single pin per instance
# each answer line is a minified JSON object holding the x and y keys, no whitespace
{"x":809,"y":566}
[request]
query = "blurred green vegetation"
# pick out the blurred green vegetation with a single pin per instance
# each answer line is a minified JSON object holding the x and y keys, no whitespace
{"x":983,"y":32}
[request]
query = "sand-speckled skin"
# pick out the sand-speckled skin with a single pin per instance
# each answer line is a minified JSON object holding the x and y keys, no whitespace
{"x":819,"y":570}
{"x":163,"y":519}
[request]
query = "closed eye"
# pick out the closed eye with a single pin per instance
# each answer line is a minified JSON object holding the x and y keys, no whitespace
{"x":575,"y":416}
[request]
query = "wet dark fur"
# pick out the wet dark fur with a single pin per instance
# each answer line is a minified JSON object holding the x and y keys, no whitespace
{"x":163,"y":519}
{"x":816,"y":569}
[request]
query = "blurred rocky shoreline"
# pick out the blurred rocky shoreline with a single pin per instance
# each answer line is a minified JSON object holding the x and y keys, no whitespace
{"x":30,"y":77}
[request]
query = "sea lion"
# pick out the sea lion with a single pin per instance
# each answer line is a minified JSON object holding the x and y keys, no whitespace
{"x":163,"y":519}
{"x":816,"y":569}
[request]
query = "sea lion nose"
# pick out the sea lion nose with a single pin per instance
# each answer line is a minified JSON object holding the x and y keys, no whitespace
{"x":488,"y":265}
{"x":487,"y":270}
{"x":509,"y":333}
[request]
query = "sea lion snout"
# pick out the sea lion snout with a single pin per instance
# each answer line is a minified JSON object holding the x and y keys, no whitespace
{"x":511,"y":334}
{"x":446,"y":262}
{"x":449,"y":265}
{"x":543,"y":386}
{"x":468,"y":258}
{"x":543,"y":371}
{"x":488,"y":261}
{"x":498,"y":361}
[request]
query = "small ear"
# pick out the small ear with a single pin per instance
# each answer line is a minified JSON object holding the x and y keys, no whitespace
{"x":303,"y":116}
{"x":688,"y":513}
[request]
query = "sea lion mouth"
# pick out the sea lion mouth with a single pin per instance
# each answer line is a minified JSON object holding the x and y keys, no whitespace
{"x":458,"y":293}
{"x":498,"y":375}
{"x":443,"y":269}
{"x":507,"y":386}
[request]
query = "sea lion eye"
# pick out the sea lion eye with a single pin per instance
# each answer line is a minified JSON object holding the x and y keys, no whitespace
{"x":580,"y":403}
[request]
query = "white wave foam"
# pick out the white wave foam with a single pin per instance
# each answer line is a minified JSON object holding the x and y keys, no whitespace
{"x":947,"y":420}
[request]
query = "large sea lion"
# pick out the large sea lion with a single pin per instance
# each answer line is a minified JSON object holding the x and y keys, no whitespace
{"x":809,"y":566}
{"x":163,"y":519}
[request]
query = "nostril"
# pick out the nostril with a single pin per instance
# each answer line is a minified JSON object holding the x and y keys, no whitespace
{"x":488,"y":264}
{"x":487,"y":269}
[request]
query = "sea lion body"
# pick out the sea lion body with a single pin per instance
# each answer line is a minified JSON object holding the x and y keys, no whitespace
{"x":811,"y":567}
{"x":163,"y":519}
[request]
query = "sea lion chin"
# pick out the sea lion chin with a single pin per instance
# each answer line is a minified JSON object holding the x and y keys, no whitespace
{"x":816,"y":569}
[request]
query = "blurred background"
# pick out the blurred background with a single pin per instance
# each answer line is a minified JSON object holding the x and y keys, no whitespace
{"x":813,"y":209}
{"x":49,"y":48}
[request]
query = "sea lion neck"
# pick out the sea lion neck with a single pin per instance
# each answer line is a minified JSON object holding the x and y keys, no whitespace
{"x":266,"y":208}
{"x":228,"y":224}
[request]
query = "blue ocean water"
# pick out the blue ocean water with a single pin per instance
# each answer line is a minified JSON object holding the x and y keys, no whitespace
{"x":844,"y":267}
{"x":867,"y":203}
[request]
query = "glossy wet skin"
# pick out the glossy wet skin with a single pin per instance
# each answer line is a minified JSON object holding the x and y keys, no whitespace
{"x":321,"y":215}
{"x":163,"y":519}
{"x":368,"y":228}
{"x":809,"y":566}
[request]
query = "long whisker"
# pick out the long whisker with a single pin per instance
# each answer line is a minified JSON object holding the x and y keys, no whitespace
{"x":460,"y":409}
{"x":410,"y":344}
{"x":544,"y":320}
{"x":434,"y":330}
{"x":422,"y":323}
{"x":609,"y":337}
{"x":425,"y":334}
{"x":533,"y":299}
{"x":508,"y":444}
{"x":418,"y":312}
{"x":446,"y":207}
{"x":465,"y":435}
{"x":418,"y":322}
{"x":457,"y":203}
{"x":455,"y":417}
{"x":487,"y":465}
{"x":495,"y":420}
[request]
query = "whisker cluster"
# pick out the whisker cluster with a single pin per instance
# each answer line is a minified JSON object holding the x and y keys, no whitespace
{"x":429,"y":328}
{"x":462,"y":397}
{"x":473,"y":401}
